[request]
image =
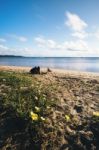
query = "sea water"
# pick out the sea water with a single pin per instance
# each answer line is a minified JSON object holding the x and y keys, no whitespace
{"x":89,"y":64}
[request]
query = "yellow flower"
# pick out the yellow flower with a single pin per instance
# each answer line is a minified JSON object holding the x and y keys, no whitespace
{"x":42,"y":118}
{"x":37,"y":109}
{"x":36,"y":98}
{"x":48,"y":107}
{"x":67,"y":118}
{"x":96,"y":114}
{"x":34,"y":116}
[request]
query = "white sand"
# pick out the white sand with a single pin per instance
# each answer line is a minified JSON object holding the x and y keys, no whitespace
{"x":57,"y":71}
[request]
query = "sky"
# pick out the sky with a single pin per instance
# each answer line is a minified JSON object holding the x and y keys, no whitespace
{"x":49,"y":28}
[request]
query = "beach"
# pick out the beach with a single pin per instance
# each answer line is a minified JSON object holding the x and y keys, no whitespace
{"x":58,"y":71}
{"x":49,"y":75}
{"x":68,"y":102}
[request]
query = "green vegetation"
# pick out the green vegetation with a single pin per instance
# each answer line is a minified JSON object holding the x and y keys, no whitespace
{"x":23,"y":92}
{"x":47,"y":112}
{"x":27,"y":98}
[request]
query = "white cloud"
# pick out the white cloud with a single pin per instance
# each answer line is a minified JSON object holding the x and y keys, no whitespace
{"x":77,"y":45}
{"x":44,"y":43}
{"x":51,"y":44}
{"x":97,"y":34}
{"x":40,"y":41}
{"x":77,"y":25}
{"x":75,"y":22}
{"x":2,"y":40}
{"x":94,"y":35}
{"x":4,"y":50}
{"x":19,"y":38}
{"x":2,"y":47}
{"x":77,"y":48}
{"x":80,"y":35}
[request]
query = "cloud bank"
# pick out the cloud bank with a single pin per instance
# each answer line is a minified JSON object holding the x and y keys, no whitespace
{"x":77,"y":45}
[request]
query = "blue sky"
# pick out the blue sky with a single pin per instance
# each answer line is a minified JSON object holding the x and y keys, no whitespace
{"x":49,"y":27}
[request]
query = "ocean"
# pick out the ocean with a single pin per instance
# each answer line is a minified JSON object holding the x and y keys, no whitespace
{"x":89,"y":64}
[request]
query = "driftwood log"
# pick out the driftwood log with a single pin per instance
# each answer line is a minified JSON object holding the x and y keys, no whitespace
{"x":35,"y":70}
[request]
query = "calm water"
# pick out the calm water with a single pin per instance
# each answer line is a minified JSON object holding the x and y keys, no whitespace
{"x":81,"y":64}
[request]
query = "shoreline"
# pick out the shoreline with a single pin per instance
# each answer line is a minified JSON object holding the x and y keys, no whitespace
{"x":54,"y":70}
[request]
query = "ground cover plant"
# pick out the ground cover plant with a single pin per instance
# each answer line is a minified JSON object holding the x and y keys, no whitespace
{"x":48,"y":112}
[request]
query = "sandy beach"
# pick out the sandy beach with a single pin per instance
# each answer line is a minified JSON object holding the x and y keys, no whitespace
{"x":68,"y":102}
{"x":49,"y":75}
{"x":58,"y":71}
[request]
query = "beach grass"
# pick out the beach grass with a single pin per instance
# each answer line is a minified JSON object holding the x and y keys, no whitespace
{"x":23,"y":92}
{"x":48,"y":111}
